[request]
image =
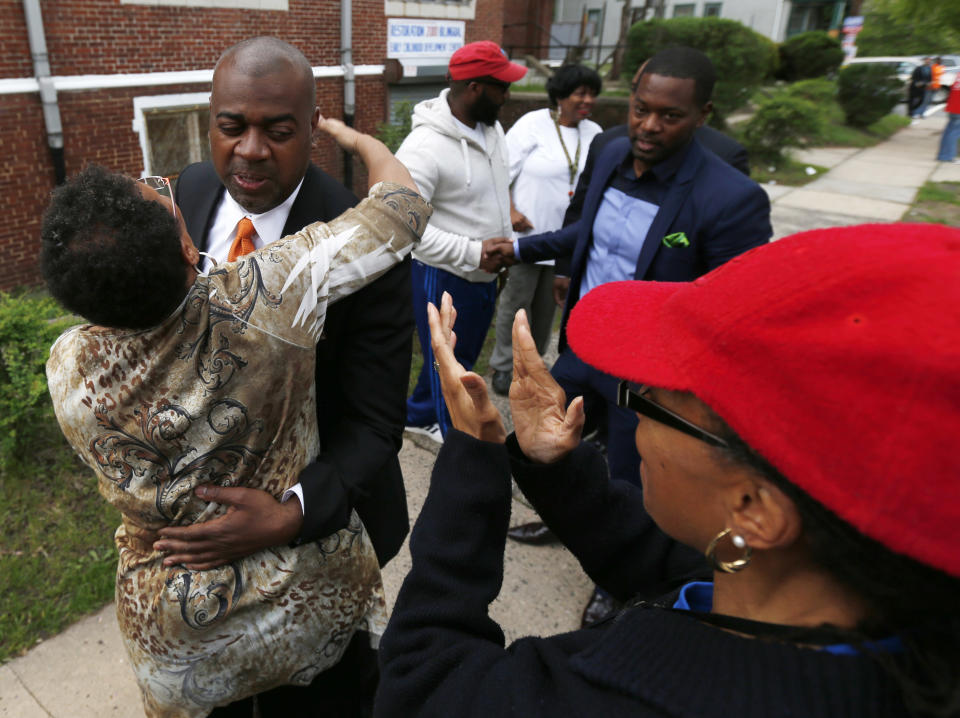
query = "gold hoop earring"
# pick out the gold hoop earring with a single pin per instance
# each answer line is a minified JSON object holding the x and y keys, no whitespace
{"x":729,"y":566}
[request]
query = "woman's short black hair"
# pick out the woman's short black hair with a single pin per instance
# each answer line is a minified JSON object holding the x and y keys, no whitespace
{"x":568,"y":78}
{"x":110,"y":255}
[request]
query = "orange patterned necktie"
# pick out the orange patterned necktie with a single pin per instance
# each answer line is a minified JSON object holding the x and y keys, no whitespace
{"x":243,"y":242}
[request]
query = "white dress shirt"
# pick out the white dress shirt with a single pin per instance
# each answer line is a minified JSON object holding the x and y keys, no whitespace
{"x":226,"y":217}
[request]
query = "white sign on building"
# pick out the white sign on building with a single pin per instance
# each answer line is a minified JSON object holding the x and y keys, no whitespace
{"x":415,"y":40}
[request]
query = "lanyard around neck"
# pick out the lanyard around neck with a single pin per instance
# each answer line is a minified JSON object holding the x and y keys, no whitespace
{"x":573,"y":164}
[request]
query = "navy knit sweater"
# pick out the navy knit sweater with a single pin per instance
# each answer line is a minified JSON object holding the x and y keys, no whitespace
{"x":443,"y":656}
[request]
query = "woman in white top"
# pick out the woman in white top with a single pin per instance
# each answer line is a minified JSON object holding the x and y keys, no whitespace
{"x":547,"y":150}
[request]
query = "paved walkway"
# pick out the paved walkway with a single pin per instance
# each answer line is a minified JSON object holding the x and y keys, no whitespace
{"x":876,"y":184}
{"x":83,"y":672}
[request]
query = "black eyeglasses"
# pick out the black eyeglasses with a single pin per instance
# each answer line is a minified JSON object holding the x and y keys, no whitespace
{"x":637,"y":401}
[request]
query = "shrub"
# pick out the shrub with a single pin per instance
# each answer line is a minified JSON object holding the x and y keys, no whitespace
{"x":820,"y":91}
{"x":742,"y":58}
{"x":809,"y":54}
{"x":780,"y":122}
{"x":27,"y":330}
{"x":867,"y":92}
{"x":393,"y":133}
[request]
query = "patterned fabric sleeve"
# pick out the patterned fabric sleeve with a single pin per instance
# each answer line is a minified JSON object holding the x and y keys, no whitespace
{"x":284,"y":288}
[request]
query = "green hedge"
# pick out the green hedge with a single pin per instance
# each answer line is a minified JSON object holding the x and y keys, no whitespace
{"x":781,"y":121}
{"x":809,"y":54}
{"x":819,"y":91}
{"x":867,"y":92}
{"x":743,"y":58}
{"x":28,"y":327}
{"x":394,"y":132}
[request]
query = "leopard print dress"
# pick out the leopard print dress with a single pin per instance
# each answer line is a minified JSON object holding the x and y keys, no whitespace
{"x":222,"y":393}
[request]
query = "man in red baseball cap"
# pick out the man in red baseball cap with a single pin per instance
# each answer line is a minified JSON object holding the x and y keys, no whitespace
{"x":484,"y":59}
{"x":457,"y":155}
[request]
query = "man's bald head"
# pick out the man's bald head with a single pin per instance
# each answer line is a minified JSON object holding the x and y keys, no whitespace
{"x":263,"y":115}
{"x":264,"y":55}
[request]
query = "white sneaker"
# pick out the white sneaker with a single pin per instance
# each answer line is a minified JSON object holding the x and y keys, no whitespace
{"x":432,"y":432}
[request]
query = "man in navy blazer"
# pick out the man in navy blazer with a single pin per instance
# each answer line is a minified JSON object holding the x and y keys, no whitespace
{"x":659,"y":207}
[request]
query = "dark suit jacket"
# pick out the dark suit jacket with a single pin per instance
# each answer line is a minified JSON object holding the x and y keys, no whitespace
{"x":363,"y":368}
{"x":724,"y":147}
{"x":721,"y":212}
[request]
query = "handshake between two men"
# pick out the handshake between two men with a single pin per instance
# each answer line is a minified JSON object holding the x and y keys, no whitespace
{"x":496,"y":254}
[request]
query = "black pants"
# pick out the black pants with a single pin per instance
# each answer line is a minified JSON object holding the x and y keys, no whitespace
{"x":343,"y":691}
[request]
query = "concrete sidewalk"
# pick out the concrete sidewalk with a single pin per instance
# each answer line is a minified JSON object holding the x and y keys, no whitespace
{"x":876,"y":184}
{"x":84,"y":673}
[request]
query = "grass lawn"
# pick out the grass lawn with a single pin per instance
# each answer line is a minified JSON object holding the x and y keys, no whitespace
{"x":787,"y":171}
{"x":937,"y":202}
{"x":837,"y":134}
{"x":57,"y":559}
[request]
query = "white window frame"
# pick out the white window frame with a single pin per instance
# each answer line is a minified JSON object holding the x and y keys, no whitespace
{"x":443,"y":9}
{"x":710,"y":5}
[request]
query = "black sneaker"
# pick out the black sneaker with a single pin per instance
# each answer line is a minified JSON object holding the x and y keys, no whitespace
{"x":501,"y":382}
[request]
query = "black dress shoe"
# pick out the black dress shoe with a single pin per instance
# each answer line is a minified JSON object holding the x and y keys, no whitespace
{"x":535,"y":533}
{"x":598,"y":607}
{"x":501,"y":382}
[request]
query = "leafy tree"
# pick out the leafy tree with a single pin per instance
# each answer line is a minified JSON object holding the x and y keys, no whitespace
{"x":909,"y":27}
{"x":945,"y":12}
{"x":742,"y":58}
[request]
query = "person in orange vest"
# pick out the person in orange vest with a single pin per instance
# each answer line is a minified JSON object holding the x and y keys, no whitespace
{"x":936,"y":72}
{"x":951,"y":133}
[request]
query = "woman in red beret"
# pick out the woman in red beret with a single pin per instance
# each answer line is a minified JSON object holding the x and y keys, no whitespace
{"x":799,"y":410}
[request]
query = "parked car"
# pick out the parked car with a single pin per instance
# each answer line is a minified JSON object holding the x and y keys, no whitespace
{"x":903,"y":67}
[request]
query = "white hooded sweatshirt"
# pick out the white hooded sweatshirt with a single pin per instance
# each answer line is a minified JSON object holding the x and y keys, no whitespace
{"x":467,"y":185}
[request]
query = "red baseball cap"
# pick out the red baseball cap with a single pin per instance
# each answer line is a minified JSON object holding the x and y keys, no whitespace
{"x":484,"y":59}
{"x":834,"y":353}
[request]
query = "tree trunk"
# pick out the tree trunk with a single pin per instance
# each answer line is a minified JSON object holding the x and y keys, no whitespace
{"x":616,"y":67}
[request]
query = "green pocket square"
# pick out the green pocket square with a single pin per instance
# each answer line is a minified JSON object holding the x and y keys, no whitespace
{"x":677,"y":239}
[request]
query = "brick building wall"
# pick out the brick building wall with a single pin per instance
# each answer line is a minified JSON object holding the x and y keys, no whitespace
{"x":488,"y":24}
{"x":26,"y":178}
{"x":105,"y":37}
{"x":526,"y":28}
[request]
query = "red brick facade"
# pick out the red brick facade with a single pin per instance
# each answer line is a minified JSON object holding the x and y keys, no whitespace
{"x":104,"y":37}
{"x":526,"y":28}
{"x":488,"y":24}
